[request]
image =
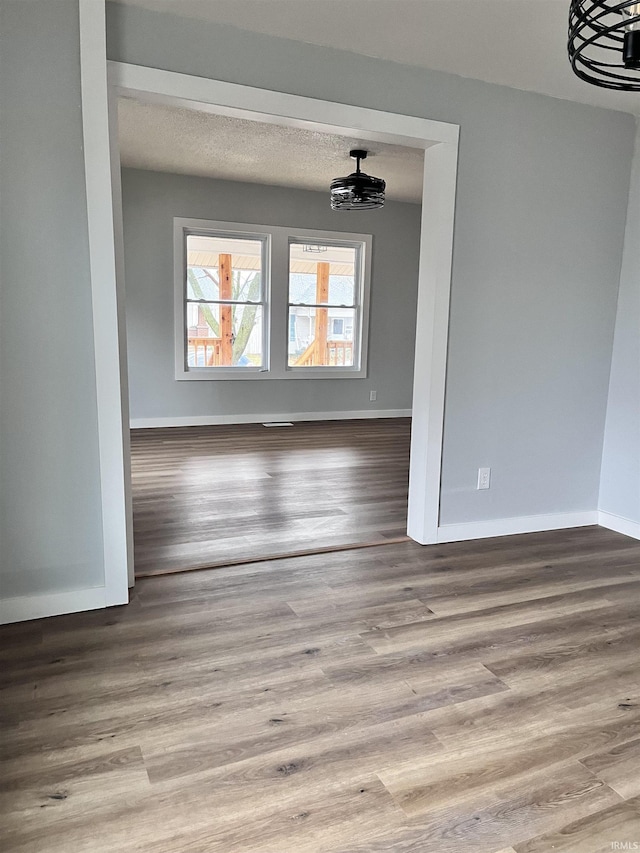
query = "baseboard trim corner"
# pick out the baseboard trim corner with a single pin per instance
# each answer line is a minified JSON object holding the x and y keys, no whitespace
{"x":27,"y":607}
{"x":619,"y":524}
{"x":220,"y":420}
{"x":513,"y":526}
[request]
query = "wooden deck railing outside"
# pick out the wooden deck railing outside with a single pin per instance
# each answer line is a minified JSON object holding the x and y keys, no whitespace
{"x":207,"y":352}
{"x":210,"y":348}
{"x":337,"y":354}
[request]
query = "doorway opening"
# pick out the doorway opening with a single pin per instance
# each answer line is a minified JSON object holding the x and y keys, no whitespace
{"x":312,"y":311}
{"x":439,"y":142}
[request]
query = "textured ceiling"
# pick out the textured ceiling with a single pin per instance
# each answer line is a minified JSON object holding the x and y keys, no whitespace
{"x":184,"y":141}
{"x":518,"y":43}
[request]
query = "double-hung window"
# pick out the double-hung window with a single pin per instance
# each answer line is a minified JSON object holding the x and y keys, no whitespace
{"x":225,"y":302}
{"x":266,"y":302}
{"x":324,"y":301}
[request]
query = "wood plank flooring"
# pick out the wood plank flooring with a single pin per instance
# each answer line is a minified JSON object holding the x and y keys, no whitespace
{"x":212,"y":495}
{"x":463,"y":698}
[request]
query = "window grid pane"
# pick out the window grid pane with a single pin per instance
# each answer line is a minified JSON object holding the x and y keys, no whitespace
{"x":317,"y":339}
{"x":325,"y":276}
{"x":220,"y":335}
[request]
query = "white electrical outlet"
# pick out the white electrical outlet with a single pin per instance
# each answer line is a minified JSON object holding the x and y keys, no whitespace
{"x":484,"y":478}
{"x":373,"y":396}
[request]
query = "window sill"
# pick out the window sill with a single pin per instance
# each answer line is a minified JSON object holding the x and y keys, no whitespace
{"x":217,"y":374}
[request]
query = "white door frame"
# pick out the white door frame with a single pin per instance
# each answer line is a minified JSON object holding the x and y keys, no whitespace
{"x":439,"y":141}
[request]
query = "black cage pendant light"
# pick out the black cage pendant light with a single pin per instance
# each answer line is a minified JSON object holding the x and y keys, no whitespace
{"x":604,"y":42}
{"x":357,"y":191}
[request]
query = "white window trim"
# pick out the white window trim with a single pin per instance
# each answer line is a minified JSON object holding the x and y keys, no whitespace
{"x":182,"y":227}
{"x":276,"y":295}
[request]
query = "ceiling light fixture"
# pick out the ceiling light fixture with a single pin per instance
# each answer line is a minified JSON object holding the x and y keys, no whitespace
{"x":357,"y":191}
{"x":604,"y":43}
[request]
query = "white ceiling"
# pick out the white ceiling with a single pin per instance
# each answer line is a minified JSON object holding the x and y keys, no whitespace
{"x":185,"y":141}
{"x":518,"y":43}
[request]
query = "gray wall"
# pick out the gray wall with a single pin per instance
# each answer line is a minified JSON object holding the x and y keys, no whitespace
{"x":620,"y":479}
{"x":541,"y":207}
{"x":152,"y":199}
{"x":50,"y":516}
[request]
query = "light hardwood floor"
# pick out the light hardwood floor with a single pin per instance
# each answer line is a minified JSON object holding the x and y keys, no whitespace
{"x":463,"y":698}
{"x":211,"y":495}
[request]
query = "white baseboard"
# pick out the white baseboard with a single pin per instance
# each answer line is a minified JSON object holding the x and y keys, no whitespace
{"x":215,"y":420}
{"x":29,"y":607}
{"x":512,"y":526}
{"x":619,"y":524}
